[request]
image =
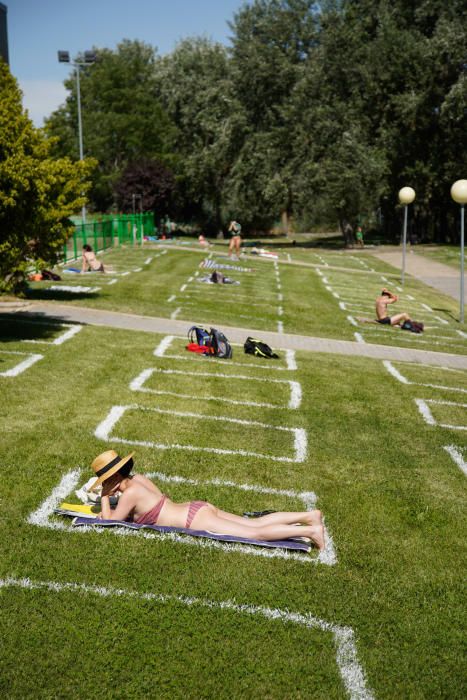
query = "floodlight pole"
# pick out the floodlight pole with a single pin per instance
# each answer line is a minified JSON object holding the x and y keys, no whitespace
{"x":462,"y":266}
{"x":64,"y":57}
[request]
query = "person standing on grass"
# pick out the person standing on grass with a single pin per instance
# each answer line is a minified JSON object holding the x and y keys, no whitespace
{"x":359,"y":237}
{"x":235,"y":230}
{"x":382,"y":315}
{"x":90,"y":262}
{"x":144,"y":503}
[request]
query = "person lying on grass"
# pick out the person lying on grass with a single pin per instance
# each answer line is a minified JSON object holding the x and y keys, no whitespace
{"x":143,"y":502}
{"x":382,"y":315}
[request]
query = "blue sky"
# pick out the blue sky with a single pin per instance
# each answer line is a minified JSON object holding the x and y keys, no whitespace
{"x":38,"y":28}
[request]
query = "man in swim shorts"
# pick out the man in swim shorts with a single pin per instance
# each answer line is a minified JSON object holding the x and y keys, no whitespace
{"x":382,"y":315}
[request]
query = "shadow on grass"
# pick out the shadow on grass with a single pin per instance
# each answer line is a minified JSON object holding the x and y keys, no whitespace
{"x":30,"y":325}
{"x":48,"y":294}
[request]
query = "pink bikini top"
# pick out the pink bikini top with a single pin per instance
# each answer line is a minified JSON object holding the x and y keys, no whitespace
{"x":150,"y":518}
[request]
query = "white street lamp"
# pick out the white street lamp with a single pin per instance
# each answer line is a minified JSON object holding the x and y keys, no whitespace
{"x":459,"y":195}
{"x":406,"y":197}
{"x":89,"y":57}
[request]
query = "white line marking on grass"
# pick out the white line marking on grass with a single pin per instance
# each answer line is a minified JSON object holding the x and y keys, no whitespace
{"x":42,"y":518}
{"x":359,"y":338}
{"x":342,"y":306}
{"x":280,"y":297}
{"x":104,"y":430}
{"x":399,"y":289}
{"x":164,"y":252}
{"x":125,"y":274}
{"x":148,"y":261}
{"x":428,"y":416}
{"x":398,"y":334}
{"x":280,"y":327}
{"x":31,"y":358}
{"x":171,"y":298}
{"x":196,"y":273}
{"x":425,"y":306}
{"x":74,"y":290}
{"x":351,"y":672}
{"x":295,"y":400}
{"x":190,"y":279}
{"x":409,"y":296}
{"x":352,"y":321}
{"x":318,"y":272}
{"x":175,"y":313}
{"x":385,"y":279}
{"x":442,"y":320}
{"x":163,"y":345}
{"x":183,"y":287}
{"x":456,"y":455}
{"x":66,"y":335}
{"x":397,"y":375}
{"x":462,"y":334}
{"x":138,"y":269}
{"x":114,"y":281}
{"x":280,"y":311}
{"x":290,"y":360}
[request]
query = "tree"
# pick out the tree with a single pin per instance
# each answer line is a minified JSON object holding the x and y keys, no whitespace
{"x":122,"y":119}
{"x":151,"y":181}
{"x":37,"y":192}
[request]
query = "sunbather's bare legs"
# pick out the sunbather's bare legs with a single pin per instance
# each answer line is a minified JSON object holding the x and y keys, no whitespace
{"x":399,"y":319}
{"x":275,"y":526}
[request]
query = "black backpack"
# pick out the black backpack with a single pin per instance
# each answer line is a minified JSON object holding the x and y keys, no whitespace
{"x":256,"y":347}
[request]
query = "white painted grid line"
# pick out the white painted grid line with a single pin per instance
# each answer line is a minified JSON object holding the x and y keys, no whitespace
{"x":397,"y":375}
{"x":295,"y":388}
{"x":351,"y":672}
{"x":104,"y":429}
{"x":31,"y":358}
{"x":114,"y":281}
{"x":183,"y":287}
{"x":457,"y":456}
{"x":359,"y":338}
{"x":280,"y":327}
{"x":171,"y":298}
{"x":428,"y":417}
{"x":66,"y":335}
{"x":175,"y":313}
{"x":73,"y":290}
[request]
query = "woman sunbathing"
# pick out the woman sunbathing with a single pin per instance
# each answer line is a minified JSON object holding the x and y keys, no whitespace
{"x":142,"y":501}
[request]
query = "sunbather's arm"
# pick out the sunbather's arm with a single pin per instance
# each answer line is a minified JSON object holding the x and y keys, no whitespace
{"x":126,"y":503}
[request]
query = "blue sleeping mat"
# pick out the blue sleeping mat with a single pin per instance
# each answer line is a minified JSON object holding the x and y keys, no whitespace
{"x":281,"y":544}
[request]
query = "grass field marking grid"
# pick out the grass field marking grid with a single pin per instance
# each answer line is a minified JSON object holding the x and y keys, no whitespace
{"x":79,"y":289}
{"x":171,"y":298}
{"x":104,"y":430}
{"x":428,"y":417}
{"x":138,"y":269}
{"x":226,"y":302}
{"x":73,"y":329}
{"x":351,"y":320}
{"x":42,"y":517}
{"x":442,"y":320}
{"x":455,"y":453}
{"x":148,"y":261}
{"x":175,"y":313}
{"x":350,"y":670}
{"x":295,"y":400}
{"x":161,"y":349}
{"x":114,"y":281}
{"x":403,"y":380}
{"x":359,"y":338}
{"x":31,"y":358}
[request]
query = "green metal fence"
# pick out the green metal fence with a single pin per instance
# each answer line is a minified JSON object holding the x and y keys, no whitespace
{"x":108,"y":231}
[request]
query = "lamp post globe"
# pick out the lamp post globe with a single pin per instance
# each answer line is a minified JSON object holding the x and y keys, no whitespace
{"x":459,"y":191}
{"x":406,"y":195}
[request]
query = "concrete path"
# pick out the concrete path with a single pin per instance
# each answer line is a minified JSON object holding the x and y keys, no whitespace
{"x":282,"y":341}
{"x":442,"y":277}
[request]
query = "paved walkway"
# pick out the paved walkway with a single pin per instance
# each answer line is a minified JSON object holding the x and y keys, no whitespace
{"x":282,"y":341}
{"x":442,"y":277}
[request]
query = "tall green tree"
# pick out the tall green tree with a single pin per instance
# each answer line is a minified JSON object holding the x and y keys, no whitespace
{"x":123,"y":120}
{"x":38,"y":193}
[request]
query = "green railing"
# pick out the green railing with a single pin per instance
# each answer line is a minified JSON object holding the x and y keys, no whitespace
{"x":108,"y":231}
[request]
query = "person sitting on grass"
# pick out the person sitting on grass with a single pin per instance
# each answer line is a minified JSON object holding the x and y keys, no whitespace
{"x":90,"y":262}
{"x":382,"y":315}
{"x":143,"y":502}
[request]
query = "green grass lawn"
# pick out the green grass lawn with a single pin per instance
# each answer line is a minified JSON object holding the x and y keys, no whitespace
{"x":296,"y":299}
{"x":446,"y":254}
{"x":391,"y":494}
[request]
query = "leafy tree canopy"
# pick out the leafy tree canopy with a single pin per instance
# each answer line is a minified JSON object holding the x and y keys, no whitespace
{"x":37,"y":192}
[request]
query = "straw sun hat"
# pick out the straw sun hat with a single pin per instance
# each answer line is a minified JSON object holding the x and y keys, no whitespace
{"x":107,"y":463}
